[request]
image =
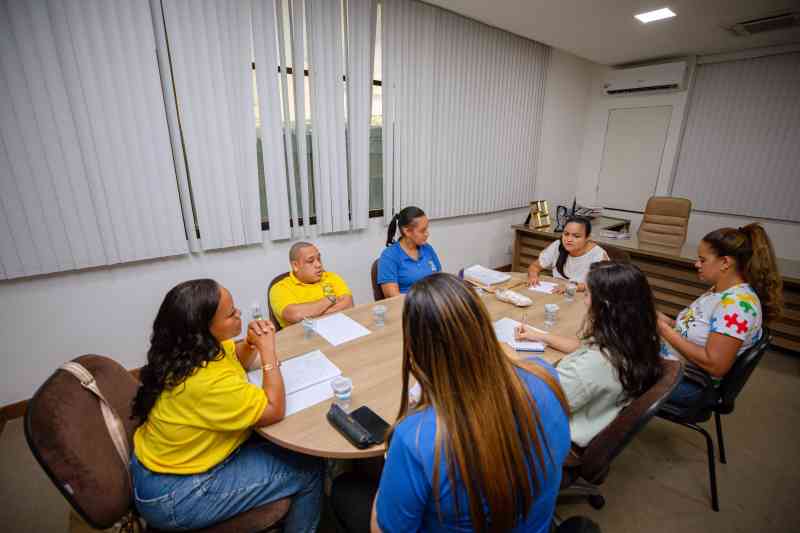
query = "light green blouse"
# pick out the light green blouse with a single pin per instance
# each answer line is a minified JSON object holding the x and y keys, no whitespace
{"x":593,"y":391}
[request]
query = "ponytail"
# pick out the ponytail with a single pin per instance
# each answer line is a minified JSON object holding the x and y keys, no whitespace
{"x":755,"y":259}
{"x":562,"y":252}
{"x":405,"y":217}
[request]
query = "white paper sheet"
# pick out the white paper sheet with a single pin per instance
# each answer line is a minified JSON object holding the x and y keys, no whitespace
{"x":504,"y":329}
{"x":339,"y":328}
{"x":306,"y":379}
{"x":543,"y":286}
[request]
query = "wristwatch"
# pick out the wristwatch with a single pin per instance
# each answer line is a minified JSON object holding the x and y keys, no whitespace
{"x":270,"y":366}
{"x":331,"y":297}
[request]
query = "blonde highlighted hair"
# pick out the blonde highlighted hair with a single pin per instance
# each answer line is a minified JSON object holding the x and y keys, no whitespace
{"x":752,"y":250}
{"x":487,"y":423}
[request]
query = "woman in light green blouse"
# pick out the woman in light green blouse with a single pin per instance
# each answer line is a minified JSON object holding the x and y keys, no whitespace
{"x":616,"y":357}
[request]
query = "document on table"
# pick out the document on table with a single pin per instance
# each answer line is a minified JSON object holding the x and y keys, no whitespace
{"x":543,"y":286}
{"x":339,"y":328}
{"x":306,"y":380}
{"x":504,"y":329}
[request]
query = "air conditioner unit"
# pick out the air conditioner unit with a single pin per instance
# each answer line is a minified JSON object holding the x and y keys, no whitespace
{"x":638,"y":80}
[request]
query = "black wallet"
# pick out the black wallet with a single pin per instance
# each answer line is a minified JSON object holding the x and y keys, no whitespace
{"x":353,"y":430}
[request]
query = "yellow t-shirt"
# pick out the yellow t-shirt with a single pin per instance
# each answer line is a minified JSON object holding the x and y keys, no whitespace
{"x":290,"y":291}
{"x":197,"y":424}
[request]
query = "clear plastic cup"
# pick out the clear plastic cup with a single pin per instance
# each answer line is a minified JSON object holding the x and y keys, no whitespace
{"x":550,"y":315}
{"x":379,"y":314}
{"x":569,"y":291}
{"x":342,"y":391}
{"x":308,"y":328}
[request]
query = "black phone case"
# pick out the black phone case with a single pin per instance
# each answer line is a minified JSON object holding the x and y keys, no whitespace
{"x":349,"y":427}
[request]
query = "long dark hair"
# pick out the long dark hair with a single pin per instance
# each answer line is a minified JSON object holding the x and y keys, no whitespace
{"x":622,"y":322}
{"x":450,"y":348}
{"x":180,"y":343}
{"x":404,"y":218}
{"x":562,"y":252}
{"x":755,"y":261}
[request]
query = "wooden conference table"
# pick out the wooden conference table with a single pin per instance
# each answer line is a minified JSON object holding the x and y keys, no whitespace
{"x":374,"y":364}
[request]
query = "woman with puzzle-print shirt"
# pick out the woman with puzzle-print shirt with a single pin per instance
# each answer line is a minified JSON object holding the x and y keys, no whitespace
{"x":725,"y":321}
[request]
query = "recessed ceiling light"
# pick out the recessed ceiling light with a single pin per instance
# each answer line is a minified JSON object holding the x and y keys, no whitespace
{"x":658,"y":14}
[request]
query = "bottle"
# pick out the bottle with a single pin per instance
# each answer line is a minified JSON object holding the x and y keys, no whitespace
{"x":255,"y":312}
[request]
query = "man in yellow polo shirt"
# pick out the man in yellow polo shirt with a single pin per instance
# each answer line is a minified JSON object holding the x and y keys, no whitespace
{"x":308,"y":290}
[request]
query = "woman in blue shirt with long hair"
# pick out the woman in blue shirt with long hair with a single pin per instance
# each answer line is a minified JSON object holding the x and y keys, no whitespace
{"x":410,"y":258}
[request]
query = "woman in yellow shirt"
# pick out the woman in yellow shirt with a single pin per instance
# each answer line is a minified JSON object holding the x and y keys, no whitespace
{"x":194,"y":463}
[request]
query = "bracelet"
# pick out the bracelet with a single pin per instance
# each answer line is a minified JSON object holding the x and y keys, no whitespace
{"x":269,"y":366}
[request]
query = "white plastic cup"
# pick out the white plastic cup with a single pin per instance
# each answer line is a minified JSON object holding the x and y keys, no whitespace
{"x":569,"y":292}
{"x":342,"y":391}
{"x":550,"y":315}
{"x":379,"y":314}
{"x":308,"y":328}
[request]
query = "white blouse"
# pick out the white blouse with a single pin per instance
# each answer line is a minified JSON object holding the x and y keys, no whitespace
{"x":576,"y":268}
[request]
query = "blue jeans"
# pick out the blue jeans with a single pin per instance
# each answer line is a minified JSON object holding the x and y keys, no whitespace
{"x":686,"y":394}
{"x":258,"y":472}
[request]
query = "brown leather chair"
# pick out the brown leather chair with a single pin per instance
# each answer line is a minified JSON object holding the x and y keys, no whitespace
{"x":272,"y":316}
{"x":618,"y":255}
{"x":665,"y":222}
{"x":377,"y":292}
{"x":584,"y":473}
{"x":66,"y":432}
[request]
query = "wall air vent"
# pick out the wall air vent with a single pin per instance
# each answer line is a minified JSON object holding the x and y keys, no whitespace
{"x":760,"y":25}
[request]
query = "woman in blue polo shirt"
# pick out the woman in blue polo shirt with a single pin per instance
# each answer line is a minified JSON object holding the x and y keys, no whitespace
{"x":409,"y":259}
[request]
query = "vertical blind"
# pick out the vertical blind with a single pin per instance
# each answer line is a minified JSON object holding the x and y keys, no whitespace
{"x":463,"y":105}
{"x":739,"y":150}
{"x":86,"y":171}
{"x":210,"y":46}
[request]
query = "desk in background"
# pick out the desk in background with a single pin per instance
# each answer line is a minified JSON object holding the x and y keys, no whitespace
{"x":374,"y":364}
{"x":671,"y":274}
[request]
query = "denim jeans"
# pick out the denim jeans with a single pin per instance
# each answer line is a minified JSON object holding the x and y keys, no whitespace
{"x":256,"y":473}
{"x":686,"y":394}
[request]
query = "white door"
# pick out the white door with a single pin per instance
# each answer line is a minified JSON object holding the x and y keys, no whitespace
{"x":634,"y":146}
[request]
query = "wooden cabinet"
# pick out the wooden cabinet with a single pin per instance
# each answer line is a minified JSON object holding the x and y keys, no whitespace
{"x":672,"y":276}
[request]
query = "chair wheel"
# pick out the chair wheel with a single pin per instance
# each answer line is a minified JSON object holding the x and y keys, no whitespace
{"x":597,"y":501}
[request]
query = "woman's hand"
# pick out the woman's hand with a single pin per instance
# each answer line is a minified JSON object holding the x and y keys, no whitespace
{"x":533,"y":278}
{"x":665,"y":319}
{"x":527,"y":333}
{"x":559,"y":289}
{"x":261,"y":334}
{"x":664,"y":328}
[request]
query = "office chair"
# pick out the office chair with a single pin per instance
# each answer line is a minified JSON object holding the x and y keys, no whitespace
{"x":583,"y":475}
{"x":377,"y":292}
{"x":665,"y":221}
{"x":718,"y":400}
{"x":66,"y":432}
{"x":272,"y":316}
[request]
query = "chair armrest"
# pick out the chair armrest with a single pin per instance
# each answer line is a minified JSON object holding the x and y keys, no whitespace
{"x":697,"y":375}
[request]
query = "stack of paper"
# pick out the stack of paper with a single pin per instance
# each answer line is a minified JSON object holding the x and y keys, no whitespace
{"x":485,"y":276}
{"x":339,"y":328}
{"x":306,"y":379}
{"x":504,"y":329}
{"x":544,"y":286}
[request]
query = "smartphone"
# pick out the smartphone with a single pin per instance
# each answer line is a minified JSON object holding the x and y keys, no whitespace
{"x":375,"y":425}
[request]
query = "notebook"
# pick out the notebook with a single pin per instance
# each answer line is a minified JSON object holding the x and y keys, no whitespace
{"x":504,"y":329}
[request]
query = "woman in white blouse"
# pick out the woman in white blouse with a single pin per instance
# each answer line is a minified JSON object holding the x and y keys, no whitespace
{"x":570,"y":257}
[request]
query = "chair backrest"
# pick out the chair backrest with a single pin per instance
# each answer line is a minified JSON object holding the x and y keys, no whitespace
{"x":66,"y":432}
{"x":602,"y":449}
{"x":377,"y":292}
{"x":272,"y":316}
{"x":740,"y":372}
{"x":665,"y":221}
{"x":615,"y":254}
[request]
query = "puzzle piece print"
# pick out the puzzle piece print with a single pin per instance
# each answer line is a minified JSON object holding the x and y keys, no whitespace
{"x":733,"y":320}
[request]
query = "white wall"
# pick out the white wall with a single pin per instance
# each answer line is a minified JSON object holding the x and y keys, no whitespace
{"x":48,"y":320}
{"x":785,"y":235}
{"x":567,"y":99}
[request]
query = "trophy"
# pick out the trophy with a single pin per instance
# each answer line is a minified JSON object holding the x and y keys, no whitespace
{"x":540,"y":214}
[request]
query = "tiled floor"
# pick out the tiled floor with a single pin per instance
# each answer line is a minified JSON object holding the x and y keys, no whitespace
{"x":659,"y":483}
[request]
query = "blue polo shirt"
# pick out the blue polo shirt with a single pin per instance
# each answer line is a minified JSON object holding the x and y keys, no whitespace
{"x":395,"y":266}
{"x":405,"y":499}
